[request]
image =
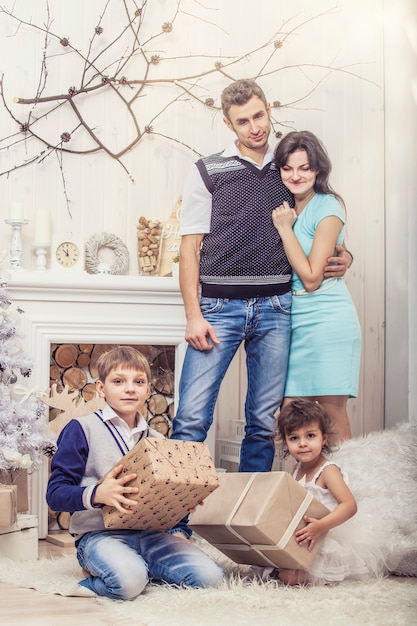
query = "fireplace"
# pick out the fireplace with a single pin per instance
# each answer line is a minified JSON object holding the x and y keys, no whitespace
{"x":99,"y":309}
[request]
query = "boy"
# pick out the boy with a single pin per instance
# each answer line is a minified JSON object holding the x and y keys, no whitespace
{"x":118,"y":563}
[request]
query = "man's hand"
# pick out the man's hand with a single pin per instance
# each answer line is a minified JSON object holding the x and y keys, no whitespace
{"x":338,"y":265}
{"x":113,"y":491}
{"x":200,"y":334}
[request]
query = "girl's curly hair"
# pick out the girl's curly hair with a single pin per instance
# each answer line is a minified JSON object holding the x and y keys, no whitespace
{"x":302,"y":412}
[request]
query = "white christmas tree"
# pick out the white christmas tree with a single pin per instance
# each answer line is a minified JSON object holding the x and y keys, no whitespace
{"x":24,"y":438}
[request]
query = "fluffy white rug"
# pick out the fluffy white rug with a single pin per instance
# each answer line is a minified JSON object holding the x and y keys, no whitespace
{"x":240,"y":601}
{"x":382,"y":470}
{"x":383,"y":473}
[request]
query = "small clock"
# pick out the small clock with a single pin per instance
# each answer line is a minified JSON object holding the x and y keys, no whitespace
{"x":67,"y":252}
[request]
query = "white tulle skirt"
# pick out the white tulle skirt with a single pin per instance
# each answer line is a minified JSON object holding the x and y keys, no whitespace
{"x":352,"y":551}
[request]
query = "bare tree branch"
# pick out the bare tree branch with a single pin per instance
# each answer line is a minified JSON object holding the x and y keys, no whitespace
{"x":98,"y":75}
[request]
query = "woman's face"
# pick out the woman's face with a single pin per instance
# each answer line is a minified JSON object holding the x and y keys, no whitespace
{"x":297,"y":175}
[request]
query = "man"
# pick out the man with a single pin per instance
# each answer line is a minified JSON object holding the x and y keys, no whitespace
{"x":230,"y":250}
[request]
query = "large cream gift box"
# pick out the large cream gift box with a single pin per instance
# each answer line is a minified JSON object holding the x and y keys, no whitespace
{"x":252,"y":519}
{"x":172,"y":476}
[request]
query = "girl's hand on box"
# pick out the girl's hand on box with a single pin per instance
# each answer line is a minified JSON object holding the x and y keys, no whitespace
{"x":114,"y":491}
{"x":310,"y":533}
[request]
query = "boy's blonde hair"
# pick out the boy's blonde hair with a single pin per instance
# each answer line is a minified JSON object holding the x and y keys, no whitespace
{"x":122,"y":356}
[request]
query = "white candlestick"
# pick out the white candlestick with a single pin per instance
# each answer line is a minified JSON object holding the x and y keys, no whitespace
{"x":42,"y":227}
{"x":16,"y":211}
{"x":41,"y":251}
{"x":16,"y":243}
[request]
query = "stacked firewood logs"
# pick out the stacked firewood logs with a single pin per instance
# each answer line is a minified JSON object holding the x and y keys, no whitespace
{"x":74,"y":366}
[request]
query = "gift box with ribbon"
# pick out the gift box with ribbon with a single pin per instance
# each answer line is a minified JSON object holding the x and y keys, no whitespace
{"x":252,"y":519}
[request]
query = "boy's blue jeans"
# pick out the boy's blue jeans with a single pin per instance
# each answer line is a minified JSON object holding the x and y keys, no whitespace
{"x":264,"y":325}
{"x":122,"y":562}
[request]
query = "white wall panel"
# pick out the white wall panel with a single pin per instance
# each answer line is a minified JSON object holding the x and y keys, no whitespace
{"x":401,"y":210}
{"x":343,"y":106}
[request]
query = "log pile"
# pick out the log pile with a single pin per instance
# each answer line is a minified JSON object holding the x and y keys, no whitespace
{"x":73,"y":372}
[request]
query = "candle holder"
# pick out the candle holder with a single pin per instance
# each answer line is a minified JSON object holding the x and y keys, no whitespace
{"x":4,"y":274}
{"x":16,"y":242}
{"x":41,"y":251}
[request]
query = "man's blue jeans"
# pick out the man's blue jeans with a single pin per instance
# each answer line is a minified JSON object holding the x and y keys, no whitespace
{"x":264,"y":325}
{"x":121,"y":562}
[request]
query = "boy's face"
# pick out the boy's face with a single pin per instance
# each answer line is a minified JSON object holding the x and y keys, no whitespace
{"x":125,"y":390}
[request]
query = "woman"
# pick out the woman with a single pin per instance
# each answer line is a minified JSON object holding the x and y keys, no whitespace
{"x":326,"y":337}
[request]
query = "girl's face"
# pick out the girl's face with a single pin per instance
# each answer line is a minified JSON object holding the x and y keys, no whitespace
{"x":305,"y":444}
{"x":297,"y":175}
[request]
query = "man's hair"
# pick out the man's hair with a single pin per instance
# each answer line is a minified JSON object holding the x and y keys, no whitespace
{"x":122,"y":356}
{"x":240,"y":92}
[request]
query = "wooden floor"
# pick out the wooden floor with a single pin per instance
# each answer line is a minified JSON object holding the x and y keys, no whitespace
{"x":27,"y":607}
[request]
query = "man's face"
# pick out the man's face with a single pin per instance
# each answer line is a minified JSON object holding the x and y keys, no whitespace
{"x":251,"y":123}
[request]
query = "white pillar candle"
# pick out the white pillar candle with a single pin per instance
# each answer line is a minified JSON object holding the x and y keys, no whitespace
{"x":42,"y":227}
{"x":16,"y":211}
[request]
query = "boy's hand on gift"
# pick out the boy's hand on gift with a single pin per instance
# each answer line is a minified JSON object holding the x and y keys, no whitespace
{"x":194,"y":507}
{"x":115,"y":491}
{"x":310,"y":533}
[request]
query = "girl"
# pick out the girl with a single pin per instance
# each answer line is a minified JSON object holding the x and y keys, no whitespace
{"x":349,"y":551}
{"x":326,"y":338}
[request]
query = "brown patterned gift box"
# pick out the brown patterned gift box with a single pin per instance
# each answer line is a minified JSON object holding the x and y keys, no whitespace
{"x":8,"y":505}
{"x":172,"y":476}
{"x":252,"y":519}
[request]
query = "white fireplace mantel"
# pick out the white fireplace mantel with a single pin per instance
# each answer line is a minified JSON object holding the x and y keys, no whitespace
{"x":77,"y":307}
{"x":98,"y":308}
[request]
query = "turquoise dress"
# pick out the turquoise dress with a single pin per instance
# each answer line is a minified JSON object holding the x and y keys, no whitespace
{"x":326,"y":336}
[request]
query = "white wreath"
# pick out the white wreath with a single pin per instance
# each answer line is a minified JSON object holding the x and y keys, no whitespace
{"x":106,"y":240}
